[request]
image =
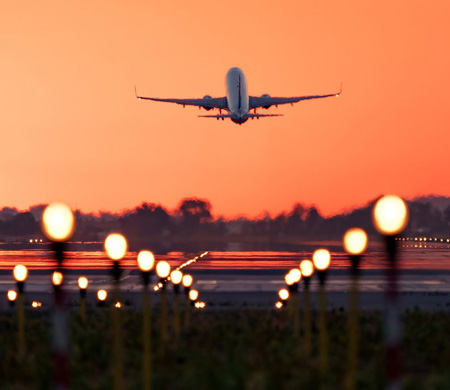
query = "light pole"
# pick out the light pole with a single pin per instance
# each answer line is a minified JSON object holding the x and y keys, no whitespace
{"x":176,"y":278}
{"x":283,"y":294}
{"x":321,"y":260}
{"x":163,"y":271}
{"x":307,"y":269}
{"x":20,"y":273}
{"x":187,"y":283}
{"x":146,"y":262}
{"x":83,"y":283}
{"x":390,"y":216}
{"x":292,"y":279}
{"x":116,"y":247}
{"x":355,"y":243}
{"x":58,"y":225}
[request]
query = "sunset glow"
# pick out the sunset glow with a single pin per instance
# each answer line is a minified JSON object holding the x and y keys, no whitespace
{"x":74,"y":129}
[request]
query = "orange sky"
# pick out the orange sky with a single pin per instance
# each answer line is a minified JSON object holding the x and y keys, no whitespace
{"x":72,"y":130}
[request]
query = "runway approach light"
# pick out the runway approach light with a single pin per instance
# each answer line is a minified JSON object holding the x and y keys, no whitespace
{"x":58,"y":222}
{"x":146,"y":261}
{"x":193,"y":295}
{"x":176,"y":276}
{"x":57,"y":278}
{"x":20,"y":273}
{"x":163,"y":269}
{"x":288,"y":279}
{"x":355,"y":241}
{"x":12,"y":295}
{"x":83,"y":283}
{"x":390,"y":215}
{"x":307,"y":268}
{"x":187,"y":280}
{"x":296,"y":275}
{"x":283,"y":294}
{"x":321,"y":259}
{"x":102,"y":295}
{"x":116,"y":246}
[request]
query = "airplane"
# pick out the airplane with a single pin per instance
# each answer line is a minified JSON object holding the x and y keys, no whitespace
{"x":237,"y":102}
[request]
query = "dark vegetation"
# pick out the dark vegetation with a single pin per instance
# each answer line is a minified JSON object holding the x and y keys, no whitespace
{"x":193,"y":222}
{"x":229,"y":350}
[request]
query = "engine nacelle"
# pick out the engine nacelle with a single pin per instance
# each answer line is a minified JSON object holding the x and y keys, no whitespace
{"x":207,"y":97}
{"x":266,"y":96}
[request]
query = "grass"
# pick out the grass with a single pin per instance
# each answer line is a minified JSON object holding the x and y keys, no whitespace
{"x":227,"y":350}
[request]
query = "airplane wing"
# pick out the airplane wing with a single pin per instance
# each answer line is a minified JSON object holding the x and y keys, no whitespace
{"x":206,"y":102}
{"x":267,"y":101}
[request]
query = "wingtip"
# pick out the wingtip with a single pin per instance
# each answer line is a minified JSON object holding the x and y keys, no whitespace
{"x":340,"y":90}
{"x":135,"y":93}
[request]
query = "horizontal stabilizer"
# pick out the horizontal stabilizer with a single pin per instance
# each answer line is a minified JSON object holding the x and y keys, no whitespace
{"x":262,"y":115}
{"x":223,"y":116}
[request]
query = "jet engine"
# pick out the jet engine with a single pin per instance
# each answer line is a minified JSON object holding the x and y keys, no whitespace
{"x":206,"y":107}
{"x":266,"y":96}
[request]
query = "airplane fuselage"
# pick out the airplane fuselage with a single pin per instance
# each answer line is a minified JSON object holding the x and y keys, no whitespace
{"x":237,"y":96}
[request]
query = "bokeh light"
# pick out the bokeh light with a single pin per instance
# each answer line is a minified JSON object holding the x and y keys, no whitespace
{"x":58,"y":222}
{"x":116,"y":246}
{"x":146,"y":261}
{"x":57,"y":278}
{"x":187,"y":280}
{"x":321,"y":259}
{"x":355,"y":241}
{"x":163,"y":269}
{"x":283,"y":294}
{"x":390,"y":215}
{"x":20,"y":273}
{"x":83,"y":282}
{"x":296,"y":275}
{"x":12,"y":295}
{"x":306,"y":268}
{"x":102,"y":295}
{"x":193,"y":295}
{"x":288,"y":279}
{"x":176,"y":276}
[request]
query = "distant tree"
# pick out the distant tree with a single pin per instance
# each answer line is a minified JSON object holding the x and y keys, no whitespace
{"x":146,"y":221}
{"x":194,"y":212}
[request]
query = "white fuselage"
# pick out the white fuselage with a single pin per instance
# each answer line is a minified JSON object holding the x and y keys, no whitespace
{"x":237,"y":96}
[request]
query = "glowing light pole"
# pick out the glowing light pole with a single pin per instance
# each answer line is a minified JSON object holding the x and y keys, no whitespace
{"x":307,"y":269}
{"x":292,"y":279}
{"x":83,"y":283}
{"x":176,"y":278}
{"x":12,"y":296}
{"x":58,"y":225}
{"x":355,"y":243}
{"x":146,"y":262}
{"x":193,"y":296}
{"x":20,"y":273}
{"x":390,"y":216}
{"x":116,"y":247}
{"x":321,"y":260}
{"x":101,"y":297}
{"x":187,"y":283}
{"x":163,"y":271}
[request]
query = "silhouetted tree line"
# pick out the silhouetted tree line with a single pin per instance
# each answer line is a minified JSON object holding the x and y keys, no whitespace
{"x":193,"y":221}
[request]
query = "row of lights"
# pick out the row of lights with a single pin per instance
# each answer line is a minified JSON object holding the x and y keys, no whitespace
{"x":425,"y":239}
